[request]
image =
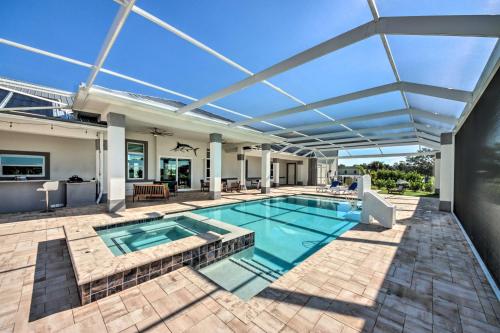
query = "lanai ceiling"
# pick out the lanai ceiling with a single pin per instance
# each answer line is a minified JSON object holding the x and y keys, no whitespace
{"x":358,"y":77}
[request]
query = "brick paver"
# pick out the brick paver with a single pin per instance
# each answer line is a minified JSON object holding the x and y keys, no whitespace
{"x":420,"y":276}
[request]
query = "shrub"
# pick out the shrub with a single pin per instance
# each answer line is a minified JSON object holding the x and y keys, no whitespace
{"x":428,"y":187}
{"x":413,"y":177}
{"x":416,"y":185}
{"x":390,"y":183}
{"x":378,"y":183}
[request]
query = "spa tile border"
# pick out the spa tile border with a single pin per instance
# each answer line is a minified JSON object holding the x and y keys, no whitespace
{"x":196,"y":258}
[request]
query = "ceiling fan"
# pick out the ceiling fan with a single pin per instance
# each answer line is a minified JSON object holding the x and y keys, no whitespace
{"x":159,"y":132}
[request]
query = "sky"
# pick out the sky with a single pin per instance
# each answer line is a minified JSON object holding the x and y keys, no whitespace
{"x":256,"y":34}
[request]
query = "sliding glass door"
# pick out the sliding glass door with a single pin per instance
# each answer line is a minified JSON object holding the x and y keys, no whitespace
{"x":176,"y":169}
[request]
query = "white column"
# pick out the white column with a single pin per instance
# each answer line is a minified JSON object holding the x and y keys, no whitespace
{"x":446,"y":172}
{"x":99,"y":146}
{"x":157,"y":160}
{"x":116,"y":162}
{"x":276,"y":173}
{"x":437,"y":172}
{"x":312,"y":178}
{"x":215,"y":165}
{"x":241,"y":160}
{"x":299,"y":171}
{"x":265,"y":169}
{"x":334,"y":166}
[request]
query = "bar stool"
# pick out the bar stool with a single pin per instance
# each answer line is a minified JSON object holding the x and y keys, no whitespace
{"x":48,"y":187}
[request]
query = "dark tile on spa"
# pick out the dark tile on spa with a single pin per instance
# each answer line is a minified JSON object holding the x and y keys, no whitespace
{"x":143,"y":270}
{"x":115,"y":280}
{"x":98,"y":285}
{"x":130,"y":275}
{"x":166,"y":262}
{"x":155,"y":266}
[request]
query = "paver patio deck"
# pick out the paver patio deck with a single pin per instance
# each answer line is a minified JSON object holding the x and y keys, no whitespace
{"x":420,"y":276}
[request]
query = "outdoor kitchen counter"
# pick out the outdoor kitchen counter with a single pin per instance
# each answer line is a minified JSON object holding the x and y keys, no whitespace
{"x":80,"y":194}
{"x":21,"y":196}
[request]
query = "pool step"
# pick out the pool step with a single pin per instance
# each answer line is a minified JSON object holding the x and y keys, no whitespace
{"x":257,"y":268}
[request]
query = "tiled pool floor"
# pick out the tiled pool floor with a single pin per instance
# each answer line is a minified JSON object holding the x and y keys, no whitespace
{"x":418,"y":277}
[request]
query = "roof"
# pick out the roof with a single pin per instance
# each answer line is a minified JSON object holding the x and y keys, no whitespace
{"x":359,"y":77}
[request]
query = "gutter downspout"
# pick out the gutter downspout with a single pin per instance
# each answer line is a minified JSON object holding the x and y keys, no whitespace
{"x":101,"y":166}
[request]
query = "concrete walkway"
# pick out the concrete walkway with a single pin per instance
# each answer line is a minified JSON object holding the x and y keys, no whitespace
{"x":418,"y":277}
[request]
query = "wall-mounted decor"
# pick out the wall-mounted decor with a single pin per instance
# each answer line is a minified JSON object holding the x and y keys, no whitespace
{"x":185,"y":148}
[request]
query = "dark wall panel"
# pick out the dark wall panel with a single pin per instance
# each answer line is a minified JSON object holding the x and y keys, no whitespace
{"x":477,"y":176}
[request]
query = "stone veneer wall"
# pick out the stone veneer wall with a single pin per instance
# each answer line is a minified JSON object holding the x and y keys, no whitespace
{"x":196,"y":258}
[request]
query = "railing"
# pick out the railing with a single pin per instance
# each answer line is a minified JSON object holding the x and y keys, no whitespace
{"x":376,"y":207}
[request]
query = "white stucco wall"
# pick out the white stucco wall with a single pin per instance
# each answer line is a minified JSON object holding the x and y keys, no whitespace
{"x":164,"y":149}
{"x":68,"y":156}
{"x":230,"y":165}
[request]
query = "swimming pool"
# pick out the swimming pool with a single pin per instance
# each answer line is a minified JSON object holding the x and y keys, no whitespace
{"x":287,"y":231}
{"x":142,"y":235}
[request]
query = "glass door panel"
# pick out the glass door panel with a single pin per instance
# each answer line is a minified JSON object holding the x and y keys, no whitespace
{"x":168,"y":169}
{"x":184,"y":173}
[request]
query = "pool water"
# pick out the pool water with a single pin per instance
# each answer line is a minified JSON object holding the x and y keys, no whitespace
{"x":287,"y":231}
{"x":142,"y":235}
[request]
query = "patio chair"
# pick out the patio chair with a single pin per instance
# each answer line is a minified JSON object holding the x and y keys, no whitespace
{"x":353,"y":188}
{"x":48,"y":187}
{"x":398,"y":190}
{"x":204,"y":185}
{"x":235,"y":186}
{"x":334,"y":186}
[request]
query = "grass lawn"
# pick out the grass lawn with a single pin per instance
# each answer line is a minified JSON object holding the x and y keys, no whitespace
{"x":414,"y":193}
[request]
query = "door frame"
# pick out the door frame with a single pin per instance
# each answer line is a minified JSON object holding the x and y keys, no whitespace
{"x":295,"y":173}
{"x":177,"y":158}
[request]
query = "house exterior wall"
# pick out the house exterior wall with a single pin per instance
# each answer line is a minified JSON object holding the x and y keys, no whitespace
{"x":162,"y":147}
{"x":68,"y":156}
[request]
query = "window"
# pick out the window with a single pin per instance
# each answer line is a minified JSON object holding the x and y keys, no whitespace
{"x":207,"y":164}
{"x":136,"y":161}
{"x":13,"y":165}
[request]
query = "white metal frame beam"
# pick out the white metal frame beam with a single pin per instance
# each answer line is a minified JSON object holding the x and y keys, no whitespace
{"x":349,"y":133}
{"x":373,"y":116}
{"x":452,"y":94}
{"x":382,"y":144}
{"x":168,"y":27}
{"x":433,"y":152}
{"x":452,"y":25}
{"x":358,"y":138}
{"x":113,"y":32}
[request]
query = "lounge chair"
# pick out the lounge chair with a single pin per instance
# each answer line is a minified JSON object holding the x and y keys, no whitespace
{"x":398,"y":190}
{"x":353,"y":188}
{"x":334,"y":186}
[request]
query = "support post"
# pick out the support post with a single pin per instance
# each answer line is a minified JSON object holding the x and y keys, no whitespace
{"x":300,"y":166}
{"x":99,"y":146}
{"x":334,"y":166}
{"x":265,"y":168}
{"x":446,"y":172}
{"x":276,"y":173}
{"x":313,"y":172}
{"x":241,"y":160}
{"x":215,"y":165}
{"x":437,"y":172}
{"x":116,"y":162}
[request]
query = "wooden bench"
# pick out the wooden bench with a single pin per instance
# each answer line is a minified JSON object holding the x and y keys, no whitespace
{"x":150,"y":191}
